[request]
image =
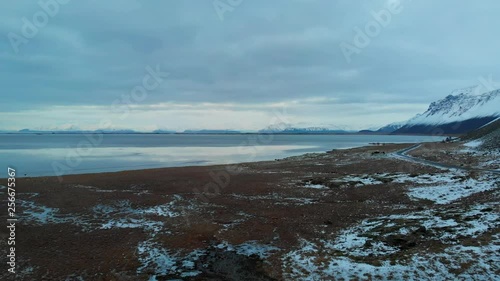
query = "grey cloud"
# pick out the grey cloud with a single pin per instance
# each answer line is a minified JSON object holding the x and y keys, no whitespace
{"x":93,"y":52}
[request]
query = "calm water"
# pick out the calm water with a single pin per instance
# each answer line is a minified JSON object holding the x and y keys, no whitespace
{"x":49,"y":155}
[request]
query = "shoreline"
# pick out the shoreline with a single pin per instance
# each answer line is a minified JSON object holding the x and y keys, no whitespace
{"x":223,"y":134}
{"x":218,"y":165}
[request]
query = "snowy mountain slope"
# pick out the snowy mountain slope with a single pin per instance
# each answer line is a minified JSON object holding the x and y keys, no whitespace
{"x":460,"y":107}
{"x":461,"y":112}
{"x":391,"y":127}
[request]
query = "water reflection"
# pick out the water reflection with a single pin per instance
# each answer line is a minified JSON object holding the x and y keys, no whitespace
{"x":36,"y":155}
{"x":39,"y":162}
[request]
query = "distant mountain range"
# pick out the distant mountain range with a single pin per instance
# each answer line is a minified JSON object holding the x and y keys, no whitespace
{"x":73,"y":131}
{"x":306,"y":130}
{"x":291,"y":130}
{"x":462,"y":111}
{"x":211,"y":132}
{"x":119,"y":131}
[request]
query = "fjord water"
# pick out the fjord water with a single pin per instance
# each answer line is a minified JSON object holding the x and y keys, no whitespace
{"x":59,"y":154}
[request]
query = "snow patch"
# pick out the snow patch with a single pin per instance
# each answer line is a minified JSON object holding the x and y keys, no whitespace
{"x":359,"y":180}
{"x":163,"y":262}
{"x":474,"y":143}
{"x":40,"y":214}
{"x":163,"y":210}
{"x":447,"y":193}
{"x":316,"y":186}
{"x":154,"y":226}
{"x":346,"y":257}
{"x":442,"y":188}
{"x":249,"y":248}
{"x":353,"y":242}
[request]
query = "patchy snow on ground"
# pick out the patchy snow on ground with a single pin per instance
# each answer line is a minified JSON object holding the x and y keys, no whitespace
{"x":488,"y":158}
{"x":359,"y":181}
{"x":442,"y":188}
{"x":165,"y":210}
{"x":374,"y":179}
{"x":118,"y":207}
{"x":301,"y":264}
{"x":474,"y":143}
{"x":447,"y":225}
{"x":155,"y":258}
{"x":355,"y":244}
{"x":316,"y":186}
{"x":39,"y":214}
{"x":249,"y":248}
{"x":445,"y":177}
{"x":124,"y":207}
{"x":457,"y":189}
{"x":270,"y":196}
{"x":121,"y":214}
{"x":493,"y":164}
{"x":154,"y":226}
{"x":364,"y":252}
{"x":448,"y":177}
{"x":163,"y":262}
{"x":118,"y":214}
{"x":454,"y":263}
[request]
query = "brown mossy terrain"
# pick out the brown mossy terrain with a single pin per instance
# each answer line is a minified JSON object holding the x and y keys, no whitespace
{"x":212,"y":223}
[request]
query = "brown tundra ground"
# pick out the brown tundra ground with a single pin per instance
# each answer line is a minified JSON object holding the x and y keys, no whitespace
{"x":358,"y":214}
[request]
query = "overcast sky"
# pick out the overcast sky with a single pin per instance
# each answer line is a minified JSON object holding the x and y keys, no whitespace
{"x":232,"y":64}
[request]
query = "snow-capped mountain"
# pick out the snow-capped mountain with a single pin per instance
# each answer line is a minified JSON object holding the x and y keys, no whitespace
{"x":462,"y":111}
{"x":460,"y":107}
{"x":391,"y":127}
{"x":306,"y":130}
{"x":313,"y":130}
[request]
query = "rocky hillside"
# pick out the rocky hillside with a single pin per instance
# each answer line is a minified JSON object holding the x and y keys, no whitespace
{"x":489,"y":135}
